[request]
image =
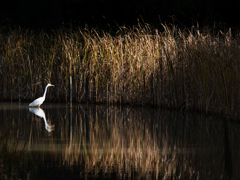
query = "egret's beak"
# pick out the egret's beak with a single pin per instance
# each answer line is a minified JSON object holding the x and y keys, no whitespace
{"x":51,"y":85}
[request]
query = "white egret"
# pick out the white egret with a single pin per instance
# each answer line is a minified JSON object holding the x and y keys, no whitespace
{"x":39,"y":112}
{"x":37,"y":102}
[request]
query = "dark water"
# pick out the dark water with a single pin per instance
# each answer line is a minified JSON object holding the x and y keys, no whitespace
{"x":115,"y":143}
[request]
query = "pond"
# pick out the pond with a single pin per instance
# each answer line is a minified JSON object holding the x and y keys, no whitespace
{"x":111,"y":142}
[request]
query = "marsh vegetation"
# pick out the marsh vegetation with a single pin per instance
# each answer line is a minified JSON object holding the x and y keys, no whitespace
{"x":186,"y":69}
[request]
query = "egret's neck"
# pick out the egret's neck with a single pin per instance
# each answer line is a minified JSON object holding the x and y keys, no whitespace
{"x":44,"y":95}
{"x":44,"y":118}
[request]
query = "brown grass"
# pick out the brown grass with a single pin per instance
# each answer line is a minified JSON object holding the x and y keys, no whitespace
{"x":190,"y":69}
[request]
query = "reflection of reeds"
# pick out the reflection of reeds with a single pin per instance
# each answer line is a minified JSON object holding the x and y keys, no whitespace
{"x":129,"y":142}
{"x":12,"y":157}
{"x":190,"y":69}
{"x":148,"y":142}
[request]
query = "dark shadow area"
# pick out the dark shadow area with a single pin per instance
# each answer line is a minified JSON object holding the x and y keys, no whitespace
{"x":227,"y":149}
{"x":108,"y":14}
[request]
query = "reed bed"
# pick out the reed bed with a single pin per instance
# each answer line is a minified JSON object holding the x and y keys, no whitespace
{"x":185,"y":69}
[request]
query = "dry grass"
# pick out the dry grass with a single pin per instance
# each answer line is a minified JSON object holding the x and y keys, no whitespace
{"x":190,"y":69}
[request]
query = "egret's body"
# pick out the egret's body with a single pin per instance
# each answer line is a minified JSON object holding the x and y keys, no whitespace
{"x":37,"y":102}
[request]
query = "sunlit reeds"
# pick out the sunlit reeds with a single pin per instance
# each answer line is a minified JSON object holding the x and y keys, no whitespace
{"x":185,"y":69}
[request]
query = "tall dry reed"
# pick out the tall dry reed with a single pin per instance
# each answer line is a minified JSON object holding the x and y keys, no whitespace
{"x":186,"y":69}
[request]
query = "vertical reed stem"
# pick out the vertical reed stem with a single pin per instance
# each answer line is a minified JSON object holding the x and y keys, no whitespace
{"x":70,"y":91}
{"x":87,"y":89}
{"x":152,"y":89}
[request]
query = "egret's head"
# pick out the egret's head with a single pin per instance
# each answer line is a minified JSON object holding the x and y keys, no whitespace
{"x":49,"y":84}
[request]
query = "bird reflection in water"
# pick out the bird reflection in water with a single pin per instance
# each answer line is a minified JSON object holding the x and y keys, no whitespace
{"x":39,"y":112}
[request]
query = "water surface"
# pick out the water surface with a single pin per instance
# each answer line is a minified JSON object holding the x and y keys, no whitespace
{"x":116,"y":143}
